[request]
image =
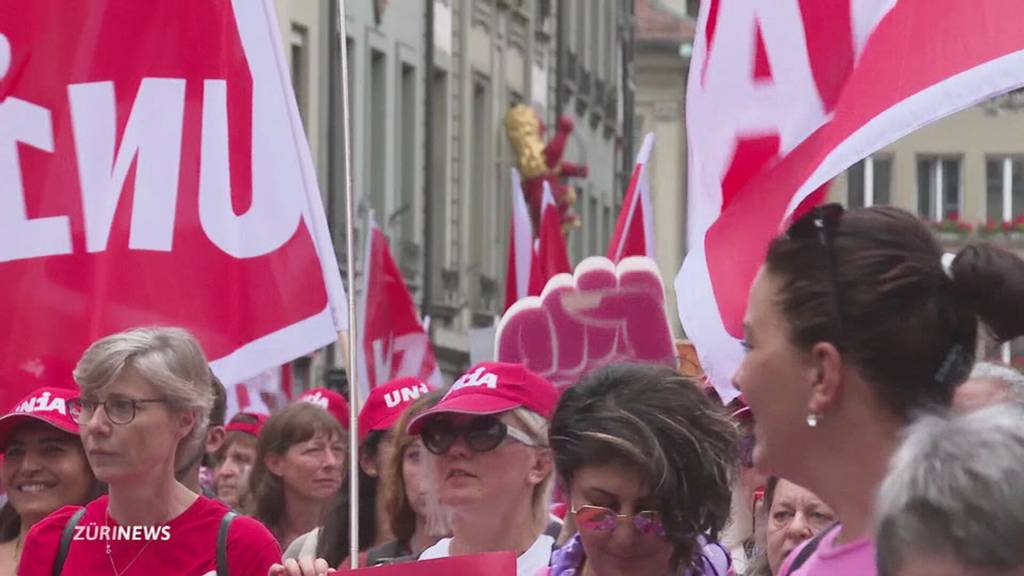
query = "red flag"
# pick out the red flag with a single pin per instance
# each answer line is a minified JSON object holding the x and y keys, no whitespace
{"x":783,"y":97}
{"x":634,"y":230}
{"x":523,"y":276}
{"x":154,"y":171}
{"x":393,"y":341}
{"x":554,"y":255}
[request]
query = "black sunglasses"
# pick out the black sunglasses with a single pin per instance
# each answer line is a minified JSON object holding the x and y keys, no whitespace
{"x":481,"y":434}
{"x":821,"y":223}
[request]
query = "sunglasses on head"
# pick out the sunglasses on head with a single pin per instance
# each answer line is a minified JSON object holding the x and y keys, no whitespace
{"x":600,"y":519}
{"x":481,"y":434}
{"x":822,"y":223}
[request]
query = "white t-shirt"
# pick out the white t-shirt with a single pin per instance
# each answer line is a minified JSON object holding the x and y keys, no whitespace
{"x":528,"y":563}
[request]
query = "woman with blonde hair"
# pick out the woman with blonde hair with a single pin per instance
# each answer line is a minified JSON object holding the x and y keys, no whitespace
{"x":494,"y":468}
{"x":145,"y":398}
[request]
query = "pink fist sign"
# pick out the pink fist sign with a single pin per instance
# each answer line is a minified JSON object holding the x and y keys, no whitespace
{"x":601,"y":314}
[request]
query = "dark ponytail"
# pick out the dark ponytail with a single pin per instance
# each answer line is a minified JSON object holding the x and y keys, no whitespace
{"x":990,"y":280}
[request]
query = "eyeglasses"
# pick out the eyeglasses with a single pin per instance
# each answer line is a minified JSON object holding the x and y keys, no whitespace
{"x":601,"y":519}
{"x":481,"y":434}
{"x":118,"y":410}
{"x":822,"y":222}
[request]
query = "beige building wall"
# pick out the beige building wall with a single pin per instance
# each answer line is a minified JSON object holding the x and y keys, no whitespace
{"x":973,"y":135}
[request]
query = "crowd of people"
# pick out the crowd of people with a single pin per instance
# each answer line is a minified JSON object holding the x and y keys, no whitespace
{"x":868,"y":441}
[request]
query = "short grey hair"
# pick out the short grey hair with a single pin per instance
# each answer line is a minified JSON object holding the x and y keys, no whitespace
{"x":954,"y":491}
{"x":169,"y":358}
{"x":1013,"y":379}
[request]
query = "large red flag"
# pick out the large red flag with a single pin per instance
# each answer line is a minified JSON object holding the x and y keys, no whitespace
{"x":393,"y":341}
{"x":154,"y":171}
{"x":634,"y":229}
{"x":554,"y":255}
{"x":523,"y":276}
{"x":783,"y":96}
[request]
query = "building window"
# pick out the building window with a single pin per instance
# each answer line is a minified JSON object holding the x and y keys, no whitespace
{"x":1004,"y":188}
{"x":377,"y":134}
{"x":406,"y":131}
{"x":869,"y":182}
{"x":938,"y":187}
{"x":480,"y":191}
{"x":438,"y":157}
{"x":300,"y":69}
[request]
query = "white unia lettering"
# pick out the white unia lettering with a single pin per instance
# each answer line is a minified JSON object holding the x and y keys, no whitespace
{"x":152,"y":141}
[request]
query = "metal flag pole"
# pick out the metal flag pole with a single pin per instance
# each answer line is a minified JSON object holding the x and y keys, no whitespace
{"x":353,"y":340}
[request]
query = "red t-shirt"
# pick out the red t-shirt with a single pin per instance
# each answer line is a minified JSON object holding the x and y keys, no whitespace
{"x":186,"y":547}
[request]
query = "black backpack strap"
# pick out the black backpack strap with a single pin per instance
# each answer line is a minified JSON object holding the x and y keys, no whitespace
{"x":222,"y":543}
{"x":65,"y":541}
{"x":807,"y":551}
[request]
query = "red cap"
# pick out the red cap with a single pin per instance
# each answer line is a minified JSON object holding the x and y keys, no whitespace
{"x":48,"y":405}
{"x":252,"y":428}
{"x":492,"y":388}
{"x":386,"y":403}
{"x":328,"y":400}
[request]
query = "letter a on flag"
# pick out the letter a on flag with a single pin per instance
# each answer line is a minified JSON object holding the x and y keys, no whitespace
{"x":393,"y":341}
{"x":783,"y":96}
{"x":154,"y":171}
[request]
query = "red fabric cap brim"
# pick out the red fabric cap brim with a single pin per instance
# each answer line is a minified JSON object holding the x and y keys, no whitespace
{"x":468,"y":404}
{"x":11,"y":421}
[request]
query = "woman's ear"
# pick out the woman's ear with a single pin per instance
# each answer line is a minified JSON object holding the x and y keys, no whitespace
{"x":369,"y":465}
{"x":827,"y":378}
{"x":542,"y":466}
{"x":187,"y":420}
{"x":274,"y":463}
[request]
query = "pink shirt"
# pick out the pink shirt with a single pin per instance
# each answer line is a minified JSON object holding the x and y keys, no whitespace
{"x":856,"y":558}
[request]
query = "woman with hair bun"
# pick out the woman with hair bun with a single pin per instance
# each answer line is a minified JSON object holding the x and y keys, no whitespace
{"x":856,"y":322}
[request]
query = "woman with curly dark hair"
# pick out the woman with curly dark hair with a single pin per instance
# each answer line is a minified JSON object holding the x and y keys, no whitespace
{"x":646,"y":459}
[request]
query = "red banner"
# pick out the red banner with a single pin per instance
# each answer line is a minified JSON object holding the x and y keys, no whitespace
{"x":784,"y":96}
{"x":394,"y":341}
{"x":154,"y":170}
{"x":490,"y":564}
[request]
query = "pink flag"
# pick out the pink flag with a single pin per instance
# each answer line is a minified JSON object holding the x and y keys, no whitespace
{"x":634,"y":230}
{"x":523,"y":277}
{"x":393,"y":342}
{"x":154,"y":171}
{"x":783,"y":96}
{"x":554,"y":255}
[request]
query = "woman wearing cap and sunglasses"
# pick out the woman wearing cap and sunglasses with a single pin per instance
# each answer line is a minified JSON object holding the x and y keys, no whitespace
{"x":145,"y":397}
{"x":44,"y":467}
{"x":855,"y":322}
{"x":493,"y":467}
{"x":646,"y":459}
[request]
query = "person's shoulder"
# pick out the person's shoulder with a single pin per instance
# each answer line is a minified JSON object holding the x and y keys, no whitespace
{"x":303,"y":545}
{"x":439,"y":550}
{"x":251,"y":548}
{"x":249,"y":530}
{"x":43,"y":540}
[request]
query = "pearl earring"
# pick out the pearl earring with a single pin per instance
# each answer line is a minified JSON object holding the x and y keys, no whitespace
{"x":812,"y":420}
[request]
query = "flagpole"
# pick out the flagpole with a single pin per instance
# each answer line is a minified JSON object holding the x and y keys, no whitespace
{"x":353,"y":340}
